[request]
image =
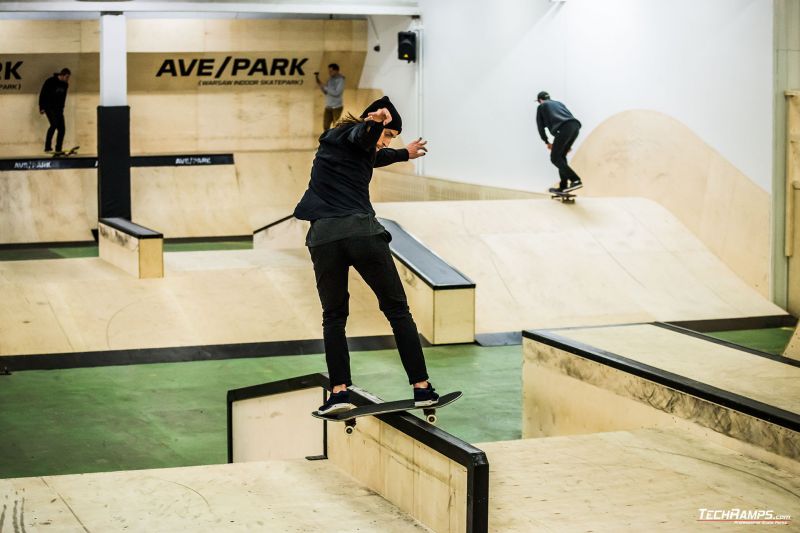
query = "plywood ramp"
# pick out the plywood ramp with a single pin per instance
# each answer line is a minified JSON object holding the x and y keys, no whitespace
{"x":293,"y":495}
{"x":586,"y":380}
{"x":78,"y":305}
{"x":48,"y":205}
{"x":647,"y":480}
{"x":539,"y":263}
{"x":652,"y":155}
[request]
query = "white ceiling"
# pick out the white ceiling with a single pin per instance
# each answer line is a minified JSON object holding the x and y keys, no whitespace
{"x":298,"y":7}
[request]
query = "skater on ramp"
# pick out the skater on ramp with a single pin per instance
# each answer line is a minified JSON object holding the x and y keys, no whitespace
{"x":564,"y":128}
{"x":52,"y":98}
{"x":344,"y":232}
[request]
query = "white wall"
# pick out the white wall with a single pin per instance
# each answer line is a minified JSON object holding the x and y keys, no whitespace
{"x":382,"y":70}
{"x":707,"y":63}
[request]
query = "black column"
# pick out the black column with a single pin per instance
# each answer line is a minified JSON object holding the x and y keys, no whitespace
{"x":114,"y":161}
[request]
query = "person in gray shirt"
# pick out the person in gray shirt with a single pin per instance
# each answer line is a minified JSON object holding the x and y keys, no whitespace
{"x":333,"y":90}
{"x":564,"y":128}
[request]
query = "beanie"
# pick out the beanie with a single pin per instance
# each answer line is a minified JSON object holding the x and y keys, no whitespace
{"x":396,"y":123}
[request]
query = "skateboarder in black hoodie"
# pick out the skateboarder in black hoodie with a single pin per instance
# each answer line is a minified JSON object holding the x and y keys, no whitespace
{"x":51,"y":103}
{"x":564,"y":127}
{"x":344,"y":232}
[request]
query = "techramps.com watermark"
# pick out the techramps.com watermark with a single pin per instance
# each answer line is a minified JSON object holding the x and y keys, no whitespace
{"x":762,"y":517}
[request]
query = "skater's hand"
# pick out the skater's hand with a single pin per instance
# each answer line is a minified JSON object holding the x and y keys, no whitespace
{"x":549,"y":146}
{"x":382,"y":115}
{"x":417,"y":149}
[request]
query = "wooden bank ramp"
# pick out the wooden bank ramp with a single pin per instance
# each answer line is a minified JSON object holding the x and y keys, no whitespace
{"x":540,"y":264}
{"x":289,"y":495}
{"x":645,"y":480}
{"x":86,"y":312}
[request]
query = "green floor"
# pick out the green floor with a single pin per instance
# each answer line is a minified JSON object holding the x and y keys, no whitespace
{"x":90,"y":250}
{"x":167,"y":415}
{"x":770,"y":340}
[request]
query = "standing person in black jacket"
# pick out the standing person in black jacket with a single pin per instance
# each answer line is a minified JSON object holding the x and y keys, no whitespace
{"x":344,"y":232}
{"x":51,"y":103}
{"x":564,"y":128}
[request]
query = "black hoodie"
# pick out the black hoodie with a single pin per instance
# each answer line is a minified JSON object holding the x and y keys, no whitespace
{"x":53,"y":94}
{"x":342,"y":171}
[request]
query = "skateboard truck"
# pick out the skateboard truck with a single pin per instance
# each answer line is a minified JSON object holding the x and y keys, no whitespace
{"x":430,"y":417}
{"x":429,"y":411}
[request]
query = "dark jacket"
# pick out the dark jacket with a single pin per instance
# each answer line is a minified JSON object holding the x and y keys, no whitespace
{"x":342,"y":171}
{"x":552,"y":115}
{"x":53,"y":94}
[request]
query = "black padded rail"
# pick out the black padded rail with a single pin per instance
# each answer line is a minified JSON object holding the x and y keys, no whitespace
{"x":473,"y":459}
{"x":432,"y":269}
{"x":73,"y":162}
{"x":748,"y":406}
{"x":131,"y":228}
{"x":732,"y":324}
{"x":47,"y":163}
{"x":181,"y":160}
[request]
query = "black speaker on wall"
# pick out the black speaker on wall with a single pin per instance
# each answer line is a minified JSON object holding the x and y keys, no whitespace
{"x":407,"y":46}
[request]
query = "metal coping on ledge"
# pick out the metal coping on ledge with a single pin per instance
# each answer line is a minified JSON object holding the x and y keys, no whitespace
{"x":167,"y":240}
{"x":131,"y":228}
{"x":748,"y":406}
{"x":271,"y":224}
{"x":82,"y":162}
{"x":731,"y":324}
{"x":451,"y":447}
{"x":727,"y":344}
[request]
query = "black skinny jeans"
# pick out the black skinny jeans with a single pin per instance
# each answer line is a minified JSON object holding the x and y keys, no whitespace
{"x":562,"y":143}
{"x":56,"y":118}
{"x":371,"y":258}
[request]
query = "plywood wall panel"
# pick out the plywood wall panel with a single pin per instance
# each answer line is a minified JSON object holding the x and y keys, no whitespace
{"x":649,"y":154}
{"x":48,"y":36}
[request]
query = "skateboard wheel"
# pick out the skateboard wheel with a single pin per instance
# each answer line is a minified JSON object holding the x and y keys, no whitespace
{"x":431,"y":419}
{"x":349,"y":429}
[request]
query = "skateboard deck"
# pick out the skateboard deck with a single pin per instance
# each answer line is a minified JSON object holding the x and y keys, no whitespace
{"x":66,"y":153}
{"x":563,"y":197}
{"x":349,"y":417}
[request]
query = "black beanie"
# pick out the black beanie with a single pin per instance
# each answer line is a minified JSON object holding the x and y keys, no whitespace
{"x":396,"y":123}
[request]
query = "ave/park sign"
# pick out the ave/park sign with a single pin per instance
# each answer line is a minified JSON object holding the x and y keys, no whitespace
{"x":167,"y":72}
{"x":240,"y":65}
{"x":10,"y":78}
{"x":158,"y":71}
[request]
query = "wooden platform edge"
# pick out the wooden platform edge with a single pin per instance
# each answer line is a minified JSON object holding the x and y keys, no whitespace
{"x":742,"y":404}
{"x":455,"y":449}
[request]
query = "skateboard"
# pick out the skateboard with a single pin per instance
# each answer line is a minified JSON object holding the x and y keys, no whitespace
{"x":349,"y":417}
{"x":66,"y":153}
{"x":563,"y":197}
